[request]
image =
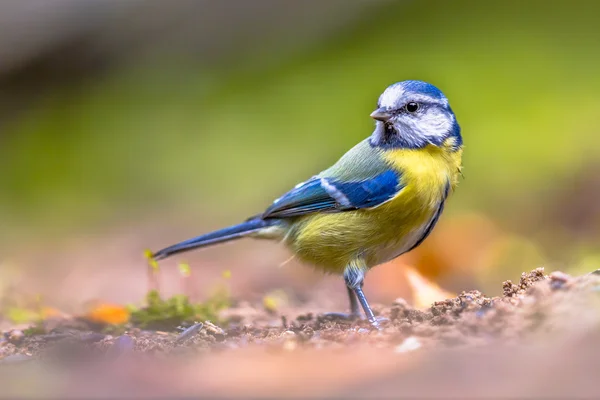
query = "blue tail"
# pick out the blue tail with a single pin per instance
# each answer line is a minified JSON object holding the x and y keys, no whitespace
{"x":220,"y":236}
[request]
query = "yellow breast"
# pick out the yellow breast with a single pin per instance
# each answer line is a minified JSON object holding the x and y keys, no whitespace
{"x":427,"y":171}
{"x":331,"y":241}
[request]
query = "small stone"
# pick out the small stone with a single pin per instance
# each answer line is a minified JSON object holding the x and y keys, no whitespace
{"x":559,"y":276}
{"x":409,"y":344}
{"x":122,"y":345}
{"x":363,"y":331}
{"x":213,"y":329}
{"x":16,"y":336}
{"x":289,"y":334}
{"x":558,"y":280}
{"x":401,"y":302}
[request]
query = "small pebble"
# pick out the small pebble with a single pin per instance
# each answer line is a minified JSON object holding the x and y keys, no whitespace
{"x":558,"y":280}
{"x":213,"y":329}
{"x":409,"y":344}
{"x":363,"y":331}
{"x":16,"y":336}
{"x":556,"y":285}
{"x":559,"y":276}
{"x":289,"y":334}
{"x":401,"y":302}
{"x":123,"y":344}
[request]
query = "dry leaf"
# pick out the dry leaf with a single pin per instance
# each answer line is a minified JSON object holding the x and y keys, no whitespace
{"x":111,"y":314}
{"x":425,"y":292}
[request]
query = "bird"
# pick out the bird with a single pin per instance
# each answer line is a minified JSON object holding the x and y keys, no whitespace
{"x":380,"y":200}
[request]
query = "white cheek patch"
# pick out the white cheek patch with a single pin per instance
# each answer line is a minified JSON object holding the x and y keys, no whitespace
{"x":435,"y":124}
{"x":431,"y":127}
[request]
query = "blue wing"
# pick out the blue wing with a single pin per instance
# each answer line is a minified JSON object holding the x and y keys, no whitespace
{"x":326,"y":194}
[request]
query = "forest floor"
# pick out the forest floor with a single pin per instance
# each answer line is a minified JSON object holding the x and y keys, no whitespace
{"x":538,"y":339}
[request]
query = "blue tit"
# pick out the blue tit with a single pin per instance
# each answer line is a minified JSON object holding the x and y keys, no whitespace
{"x":379,"y":200}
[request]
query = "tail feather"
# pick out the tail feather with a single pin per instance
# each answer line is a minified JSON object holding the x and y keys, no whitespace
{"x":220,"y":236}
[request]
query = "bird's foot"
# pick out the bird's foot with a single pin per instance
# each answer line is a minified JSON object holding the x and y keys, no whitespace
{"x":379,"y":322}
{"x":342,"y":316}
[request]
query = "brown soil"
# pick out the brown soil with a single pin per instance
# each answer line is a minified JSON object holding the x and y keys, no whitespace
{"x":538,"y":339}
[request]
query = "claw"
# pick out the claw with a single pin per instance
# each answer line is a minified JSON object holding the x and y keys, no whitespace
{"x":342,"y":316}
{"x":379,"y":322}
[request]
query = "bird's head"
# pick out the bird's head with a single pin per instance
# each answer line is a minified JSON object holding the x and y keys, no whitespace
{"x":413,"y":114}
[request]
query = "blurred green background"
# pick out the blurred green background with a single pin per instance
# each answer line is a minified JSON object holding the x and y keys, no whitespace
{"x":157,"y":122}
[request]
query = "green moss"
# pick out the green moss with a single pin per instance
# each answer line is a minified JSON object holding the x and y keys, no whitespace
{"x":36,"y":329}
{"x":20,"y":315}
{"x":169,"y":313}
{"x":115,"y":330}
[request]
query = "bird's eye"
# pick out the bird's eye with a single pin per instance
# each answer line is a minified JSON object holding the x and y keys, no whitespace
{"x":412,"y":107}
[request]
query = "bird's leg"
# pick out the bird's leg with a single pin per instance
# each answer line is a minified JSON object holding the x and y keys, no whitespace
{"x":354,"y":276}
{"x":354,"y":308}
